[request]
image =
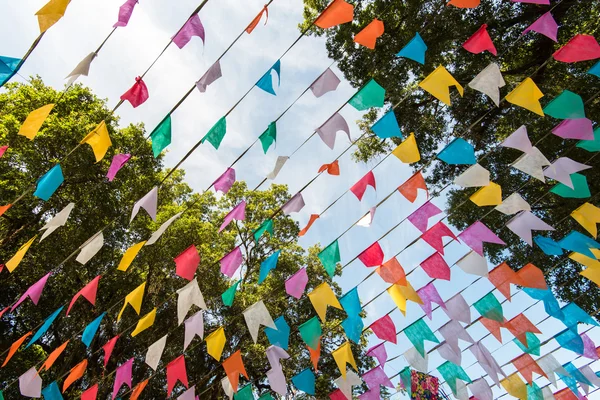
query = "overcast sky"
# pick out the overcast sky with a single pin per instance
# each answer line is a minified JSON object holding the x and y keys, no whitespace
{"x":132,"y":49}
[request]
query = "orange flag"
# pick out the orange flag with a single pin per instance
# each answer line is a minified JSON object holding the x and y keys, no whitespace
{"x":138,"y":389}
{"x":4,"y":209}
{"x":519,"y":326}
{"x":501,"y":277}
{"x":14,"y":347}
{"x":338,"y":12}
{"x":368,"y":36}
{"x":76,"y":373}
{"x":313,"y":218}
{"x":526,"y":365}
{"x":234,"y":366}
{"x":464,"y":3}
{"x":532,"y":277}
{"x":392,"y":272}
{"x":409,"y":189}
{"x":257,"y":19}
{"x":53,"y":356}
{"x":332,"y":169}
{"x":494,"y":327}
{"x":315,"y":354}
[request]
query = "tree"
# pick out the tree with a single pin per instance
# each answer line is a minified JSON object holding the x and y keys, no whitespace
{"x":98,"y":204}
{"x":474,"y":117}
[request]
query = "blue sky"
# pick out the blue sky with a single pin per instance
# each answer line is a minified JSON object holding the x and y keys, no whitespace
{"x":129,"y":52}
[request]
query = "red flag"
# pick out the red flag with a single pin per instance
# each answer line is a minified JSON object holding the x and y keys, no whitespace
{"x":359,"y":187}
{"x":3,"y":150}
{"x":435,"y":234}
{"x":392,"y":272}
{"x":384,"y":329}
{"x":480,"y":41}
{"x":108,"y":349}
{"x":436,"y":267}
{"x":494,"y":327}
{"x":337,"y":395}
{"x":187,"y":262}
{"x":138,"y":93}
{"x":580,"y":48}
{"x":176,"y":372}
{"x":88,"y":292}
{"x":409,"y":189}
{"x":91,"y":393}
{"x":372,"y":256}
{"x":234,"y":366}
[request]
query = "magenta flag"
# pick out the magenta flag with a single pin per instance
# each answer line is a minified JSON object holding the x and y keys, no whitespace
{"x":123,"y":376}
{"x":88,"y":292}
{"x":187,"y":262}
{"x":476,"y":234}
{"x":176,"y":371}
{"x":225,"y":181}
{"x":421,"y":216}
{"x":34,"y":292}
{"x":376,"y":377}
{"x":360,"y":187}
{"x":116,"y":164}
{"x":546,"y":25}
{"x":436,"y":267}
{"x":580,"y":48}
{"x":108,"y":349}
{"x":379,"y":353}
{"x":295,"y":284}
{"x":193,"y":27}
{"x":125,"y":12}
{"x":231,"y":262}
{"x":295,"y":204}
{"x":374,"y":394}
{"x":137,"y":94}
{"x":238,"y":213}
{"x":579,"y":128}
{"x":372,"y":256}
{"x":385,"y":329}
{"x":428,"y":295}
{"x":434,"y":236}
{"x":3,"y":150}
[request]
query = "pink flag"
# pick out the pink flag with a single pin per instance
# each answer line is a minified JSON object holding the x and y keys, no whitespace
{"x":476,"y":234}
{"x":385,"y":329}
{"x":149,"y":203}
{"x":524,"y":223}
{"x":435,"y":234}
{"x":125,"y":12}
{"x":193,"y":27}
{"x":331,"y":127}
{"x":428,"y":295}
{"x":225,"y":181}
{"x":452,"y":331}
{"x":379,"y":353}
{"x":231,"y":262}
{"x":374,"y":394}
{"x":194,"y":325}
{"x":295,"y":284}
{"x":34,"y":292}
{"x":88,"y":292}
{"x":546,"y":25}
{"x":518,"y":140}
{"x":187,"y":262}
{"x":372,"y":256}
{"x":123,"y":376}
{"x":589,"y":347}
{"x":458,"y":309}
{"x":421,"y":216}
{"x":579,"y":128}
{"x":3,"y":150}
{"x":137,"y":94}
{"x":117,"y":163}
{"x":359,"y":187}
{"x":562,"y":168}
{"x":580,"y":48}
{"x":480,"y":41}
{"x":376,"y":377}
{"x":325,"y":83}
{"x":436,"y":267}
{"x":211,"y":75}
{"x":176,"y":372}
{"x":91,"y":393}
{"x":543,"y":2}
{"x":108,"y":349}
{"x":295,"y":204}
{"x":238,"y":213}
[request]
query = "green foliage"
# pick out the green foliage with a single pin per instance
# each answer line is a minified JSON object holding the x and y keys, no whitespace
{"x":99,"y":204}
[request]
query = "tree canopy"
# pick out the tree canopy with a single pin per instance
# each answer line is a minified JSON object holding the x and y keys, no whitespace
{"x":474,"y":117}
{"x":98,"y":204}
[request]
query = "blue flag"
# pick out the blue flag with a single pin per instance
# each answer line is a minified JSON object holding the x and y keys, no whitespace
{"x":90,"y":331}
{"x":579,"y":243}
{"x":8,"y":68}
{"x":458,"y":152}
{"x":267,"y":265}
{"x":279,"y":337}
{"x":47,"y":184}
{"x":548,"y":246}
{"x":52,"y":392}
{"x":387,"y":126}
{"x":305,"y":381}
{"x":45,"y":326}
{"x":415,"y":50}
{"x":266,"y":82}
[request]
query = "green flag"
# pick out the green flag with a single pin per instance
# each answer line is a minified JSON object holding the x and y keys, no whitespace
{"x":266,"y":396}
{"x":567,"y":105}
{"x":268,"y":137}
{"x":591,"y":145}
{"x":451,"y":372}
{"x":244,"y":393}
{"x":534,"y":392}
{"x":161,"y":136}
{"x":329,"y":257}
{"x":266,"y":226}
{"x":371,"y":95}
{"x":533,"y":344}
{"x":216,"y":133}
{"x":229,"y":294}
{"x":310,"y":331}
{"x":405,"y":377}
{"x":489,"y":307}
{"x":580,"y":190}
{"x":418,"y":332}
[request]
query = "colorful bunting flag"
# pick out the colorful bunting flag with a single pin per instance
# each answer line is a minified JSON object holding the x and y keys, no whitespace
{"x":295,"y":284}
{"x":546,"y":25}
{"x":579,"y":48}
{"x":125,"y":12}
{"x":451,"y":373}
{"x":310,"y":332}
{"x":279,"y":163}
{"x":193,"y":27}
{"x":415,"y":50}
{"x":429,"y":294}
{"x":14,"y":347}
{"x":408,"y":151}
{"x":409,"y":189}
{"x":215,"y":342}
{"x":436,"y":267}
{"x":52,"y":357}
{"x":459,"y":151}
{"x":189,"y":295}
{"x":30,"y":383}
{"x":209,"y":77}
{"x":518,"y":140}
{"x":161,"y":136}
{"x":480,"y":41}
{"x":369,"y":34}
{"x":420,"y":217}
{"x":327,"y":132}
{"x":293,"y":205}
{"x":229,"y":295}
{"x":266,"y":81}
{"x":137,"y":94}
{"x":580,"y":189}
{"x":108,"y":349}
{"x":75,"y":374}
{"x":256,"y":20}
{"x":176,"y":371}
{"x":321,"y":297}
{"x":187,"y":262}
{"x":372,"y":256}
{"x":129,"y":256}
{"x":489,"y":307}
{"x":417,"y":333}
{"x":370,"y":95}
{"x":490,"y":195}
{"x":434,"y":236}
{"x":116,"y":164}
{"x":216,"y":134}
{"x":438,"y":84}
{"x":305,"y":382}
{"x":474,"y":176}
{"x":567,"y":105}
{"x":257,"y":315}
{"x":392,"y":272}
{"x":231,"y":262}
{"x":92,"y":393}
{"x":267,"y":265}
{"x":34,"y":121}
{"x":527,"y":95}
{"x":234,"y":366}
{"x":342,"y":356}
{"x":50,"y":14}
{"x":338,"y":12}
{"x":90,"y":330}
{"x":279,"y":337}
{"x":332,"y":169}
{"x":123,"y":376}
{"x":134,"y":299}
{"x":579,"y":128}
{"x":473,"y":264}
{"x":52,"y":392}
{"x":465,"y":3}
{"x":330,"y":257}
{"x":16,"y":259}
{"x":34,"y":292}
{"x":8,"y":68}
{"x":387,"y":126}
{"x":325,"y":83}
{"x":47,"y":184}
{"x":489,"y":82}
{"x":144,"y":323}
{"x":476,"y":234}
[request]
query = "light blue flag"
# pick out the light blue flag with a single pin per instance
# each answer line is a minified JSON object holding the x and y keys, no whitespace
{"x":548,"y":245}
{"x":353,"y":326}
{"x":45,"y":326}
{"x":533,"y":344}
{"x":592,"y":146}
{"x":579,"y":243}
{"x":52,"y":392}
{"x":47,"y":184}
{"x":567,"y":105}
{"x":415,"y":50}
{"x":571,"y":341}
{"x":351,"y":303}
{"x":305,"y":381}
{"x":534,"y":392}
{"x":551,"y":305}
{"x":8,"y":68}
{"x":572,"y":315}
{"x":279,"y":337}
{"x":387,"y":126}
{"x":570,"y":382}
{"x":458,"y":152}
{"x":266,"y":82}
{"x":595,"y":70}
{"x":267,"y":265}
{"x":577,"y":375}
{"x":90,"y":331}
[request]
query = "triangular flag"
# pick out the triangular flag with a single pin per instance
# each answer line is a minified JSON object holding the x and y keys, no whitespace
{"x":420,"y":217}
{"x":310,"y":332}
{"x":108,"y":349}
{"x":328,"y":131}
{"x":279,"y":163}
{"x":489,"y":81}
{"x":513,"y":204}
{"x":465,"y":3}
{"x":57,"y":221}
{"x":134,"y":299}
{"x":408,"y":151}
{"x":459,"y":151}
{"x":369,"y":34}
{"x":149,"y":203}
{"x":527,"y":95}
{"x":47,"y":184}
{"x":225,"y":181}
{"x":123,"y":376}
{"x":453,"y":374}
{"x":580,"y":189}
{"x":321,"y":297}
{"x":367,"y":220}
{"x":144,"y":323}
{"x":34,"y":292}
{"x":325,"y":83}
{"x":438,"y":84}
{"x":229,"y":295}
{"x":330,"y":257}
{"x":458,"y":309}
{"x":268,"y":137}
{"x":90,"y":330}
{"x":579,"y":48}
{"x":52,"y":357}
{"x":562,"y":169}
{"x":267,"y":265}
{"x":231,"y":262}
{"x":125,"y":12}
{"x":162,"y":229}
{"x":14,"y":347}
{"x":305,"y":382}
{"x":392,"y":272}
{"x":342,"y":356}
{"x":50,"y":14}
{"x":209,"y":77}
{"x":129,"y":256}
{"x":295,"y":284}
{"x":436,"y":267}
{"x":588,"y":215}
{"x":176,"y":371}
{"x":15,"y":260}
{"x":370,"y":95}
{"x":567,"y":105}
{"x":415,"y":50}
{"x":401,"y":294}
{"x":372,"y":256}
{"x":490,"y":195}
{"x":579,"y":128}
{"x":480,"y":41}
{"x":345,"y":384}
{"x":428,"y":295}
{"x":8,"y":68}
{"x":332,"y":169}
{"x":215,"y":342}
{"x":188,"y":296}
{"x":338,"y":12}
{"x":187,"y":262}
{"x":257,"y":315}
{"x":279,"y":337}
{"x":99,"y":140}
{"x":518,"y":140}
{"x":34,"y":121}
{"x":137,"y":390}
{"x":75,"y":374}
{"x":473,"y":264}
{"x":417,"y":333}
{"x":387,"y":126}
{"x":161,"y":136}
{"x":379,"y":352}
{"x":489,"y":307}
{"x":266,"y":81}
{"x":83,"y":68}
{"x":30,"y":383}
{"x":137,"y":94}
{"x":52,"y":392}
{"x":474,"y":176}
{"x":385,"y":329}
{"x":234,"y":366}
{"x":266,"y":226}
{"x":546,"y":25}
{"x":194,"y":325}
{"x":415,"y":360}
{"x":193,"y":27}
{"x":478,"y":233}
{"x":515,"y":387}
{"x":216,"y":134}
{"x":90,"y":248}
{"x":88,"y":292}
{"x":154,"y":353}
{"x":433,"y":236}
{"x":293,"y":205}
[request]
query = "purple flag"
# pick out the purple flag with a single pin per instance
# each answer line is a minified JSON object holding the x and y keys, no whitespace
{"x":238,"y":213}
{"x":580,"y":128}
{"x":589,"y":347}
{"x":231,"y":262}
{"x":476,"y":234}
{"x":481,"y":390}
{"x":125,"y":12}
{"x":295,"y":284}
{"x":379,"y":353}
{"x":458,"y":309}
{"x":274,"y":354}
{"x":325,"y":83}
{"x":293,"y":205}
{"x":193,"y":27}
{"x":546,"y":25}
{"x":277,"y":380}
{"x":561,"y":170}
{"x":518,"y":140}
{"x":116,"y":164}
{"x":148,"y":203}
{"x":428,"y":295}
{"x":225,"y":181}
{"x":329,"y":129}
{"x":374,"y":394}
{"x":420,"y":217}
{"x":376,"y":377}
{"x":34,"y":292}
{"x":449,"y":354}
{"x":213,"y":73}
{"x":524,"y":223}
{"x":453,"y":331}
{"x":487,"y":361}
{"x":194,"y":325}
{"x":123,"y":376}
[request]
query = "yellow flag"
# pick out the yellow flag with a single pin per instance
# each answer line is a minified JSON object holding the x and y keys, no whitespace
{"x":438,"y":84}
{"x":14,"y":262}
{"x":407,"y":151}
{"x":588,"y":215}
{"x":51,"y":13}
{"x":135,"y":299}
{"x":215,"y":342}
{"x":593,"y":274}
{"x":321,"y":297}
{"x":490,"y":195}
{"x":587,"y":261}
{"x":34,"y":121}
{"x":515,"y":386}
{"x":129,"y":256}
{"x":400,"y":294}
{"x":144,"y":323}
{"x":99,"y":140}
{"x":527,"y":95}
{"x":342,"y":356}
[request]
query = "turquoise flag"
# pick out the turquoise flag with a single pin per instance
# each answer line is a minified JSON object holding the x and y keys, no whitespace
{"x":579,"y":243}
{"x":161,"y":136}
{"x":580,"y":190}
{"x":353,"y":327}
{"x":567,"y":105}
{"x":268,"y":137}
{"x":592,"y":146}
{"x":371,"y":95}
{"x":52,"y":392}
{"x":415,"y":50}
{"x":45,"y":326}
{"x":47,"y":184}
{"x":551,"y":305}
{"x":533,"y":344}
{"x":279,"y":337}
{"x":329,"y":257}
{"x":548,"y":245}
{"x":244,"y":393}
{"x":405,"y":376}
{"x":387,"y":126}
{"x":310,"y":332}
{"x":216,"y":133}
{"x":451,"y":372}
{"x":266,"y":81}
{"x":534,"y":392}
{"x":459,"y":151}
{"x":266,"y":226}
{"x":489,"y":307}
{"x":351,"y":303}
{"x":90,"y":331}
{"x":418,"y":332}
{"x":8,"y":68}
{"x":229,"y":294}
{"x":267,"y":265}
{"x":305,"y":381}
{"x":595,"y":70}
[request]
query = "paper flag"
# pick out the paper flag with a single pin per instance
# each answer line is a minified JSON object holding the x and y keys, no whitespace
{"x":161,"y":136}
{"x":332,"y":169}
{"x":587,"y":215}
{"x":327,"y":132}
{"x":305,"y":382}
{"x":342,"y":356}
{"x":90,"y":248}
{"x":225,"y":181}
{"x":392,"y":272}
{"x":345,"y":385}
{"x":321,"y":297}
{"x":229,"y":295}
{"x":256,"y":20}
{"x":193,"y":27}
{"x":451,"y":373}
{"x":90,"y":330}
{"x":489,"y":81}
{"x":579,"y":48}
{"x":279,"y":337}
{"x":266,"y":81}
{"x":295,"y":204}
{"x":376,"y":377}
{"x":52,"y":357}
{"x":91,"y":393}
{"x":370,"y":95}
{"x":519,"y":326}
{"x":267,"y":265}
{"x":546,"y":25}
{"x":474,"y":176}
{"x":369,"y":34}
{"x":353,"y":327}
{"x":8,"y":68}
{"x":384,"y":329}
{"x":266,"y":226}
{"x":137,"y":94}
{"x":531,"y":346}
{"x":438,"y":84}
{"x":420,"y":217}
{"x":257,"y":315}
{"x":216,"y":134}
{"x":415,"y":360}
{"x":409,"y":189}
{"x":99,"y":140}
{"x":125,"y":12}
{"x":487,"y":361}
{"x":429,"y":294}
{"x":15,"y":260}
{"x":338,"y":12}
{"x":360,"y":187}
{"x":190,"y":394}
{"x":513,"y":204}
{"x":325,"y":83}
{"x":561,"y":170}
{"x":400,"y":295}
{"x":595,"y":70}
{"x":408,"y":151}
{"x":330,"y":257}
{"x":176,"y":371}
{"x":148,"y":203}
{"x":2,"y":151}
{"x":194,"y":325}
{"x":593,"y":263}
{"x":108,"y":349}
{"x":458,"y":309}
{"x":474,"y":264}
{"x":579,"y":243}
{"x":47,"y":184}
{"x":234,"y":366}
{"x":494,"y":327}
{"x":436,"y":267}
{"x":567,"y":105}
{"x":434,"y":236}
{"x":490,"y":195}
{"x":372,"y":256}
{"x":415,"y":50}
{"x":526,"y":366}
{"x":580,"y":189}
{"x":387,"y":126}
{"x":459,"y":151}
{"x":187,"y":262}
{"x":465,"y":3}
{"x":226,"y":385}
{"x":44,"y":328}
{"x":268,"y":137}
{"x":189,"y":295}
{"x":527,"y":95}
{"x":501,"y":277}
{"x":367,"y":220}
{"x":117,"y":163}
{"x":231,"y":262}
{"x":129,"y":256}
{"x":279,"y":163}
{"x":123,"y":376}
{"x":480,"y":41}
{"x":378,"y":352}
{"x":75,"y":374}
{"x":159,"y":232}
{"x":30,"y":384}
{"x":209,"y":77}
{"x":518,"y":140}
{"x":580,"y":128}
{"x":34,"y":292}
{"x":50,"y":14}
{"x":310,"y":332}
{"x":481,"y":389}
{"x":295,"y":284}
{"x":137,"y":390}
{"x":548,"y":246}
{"x":134,"y":299}
{"x":83,"y":68}
{"x":144,"y":323}
{"x":449,"y":354}
{"x":476,"y":234}
{"x":515,"y":387}
{"x":417,"y":333}
{"x":489,"y":307}
{"x":34,"y":121}
{"x":215,"y":342}
{"x":452,"y":331}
